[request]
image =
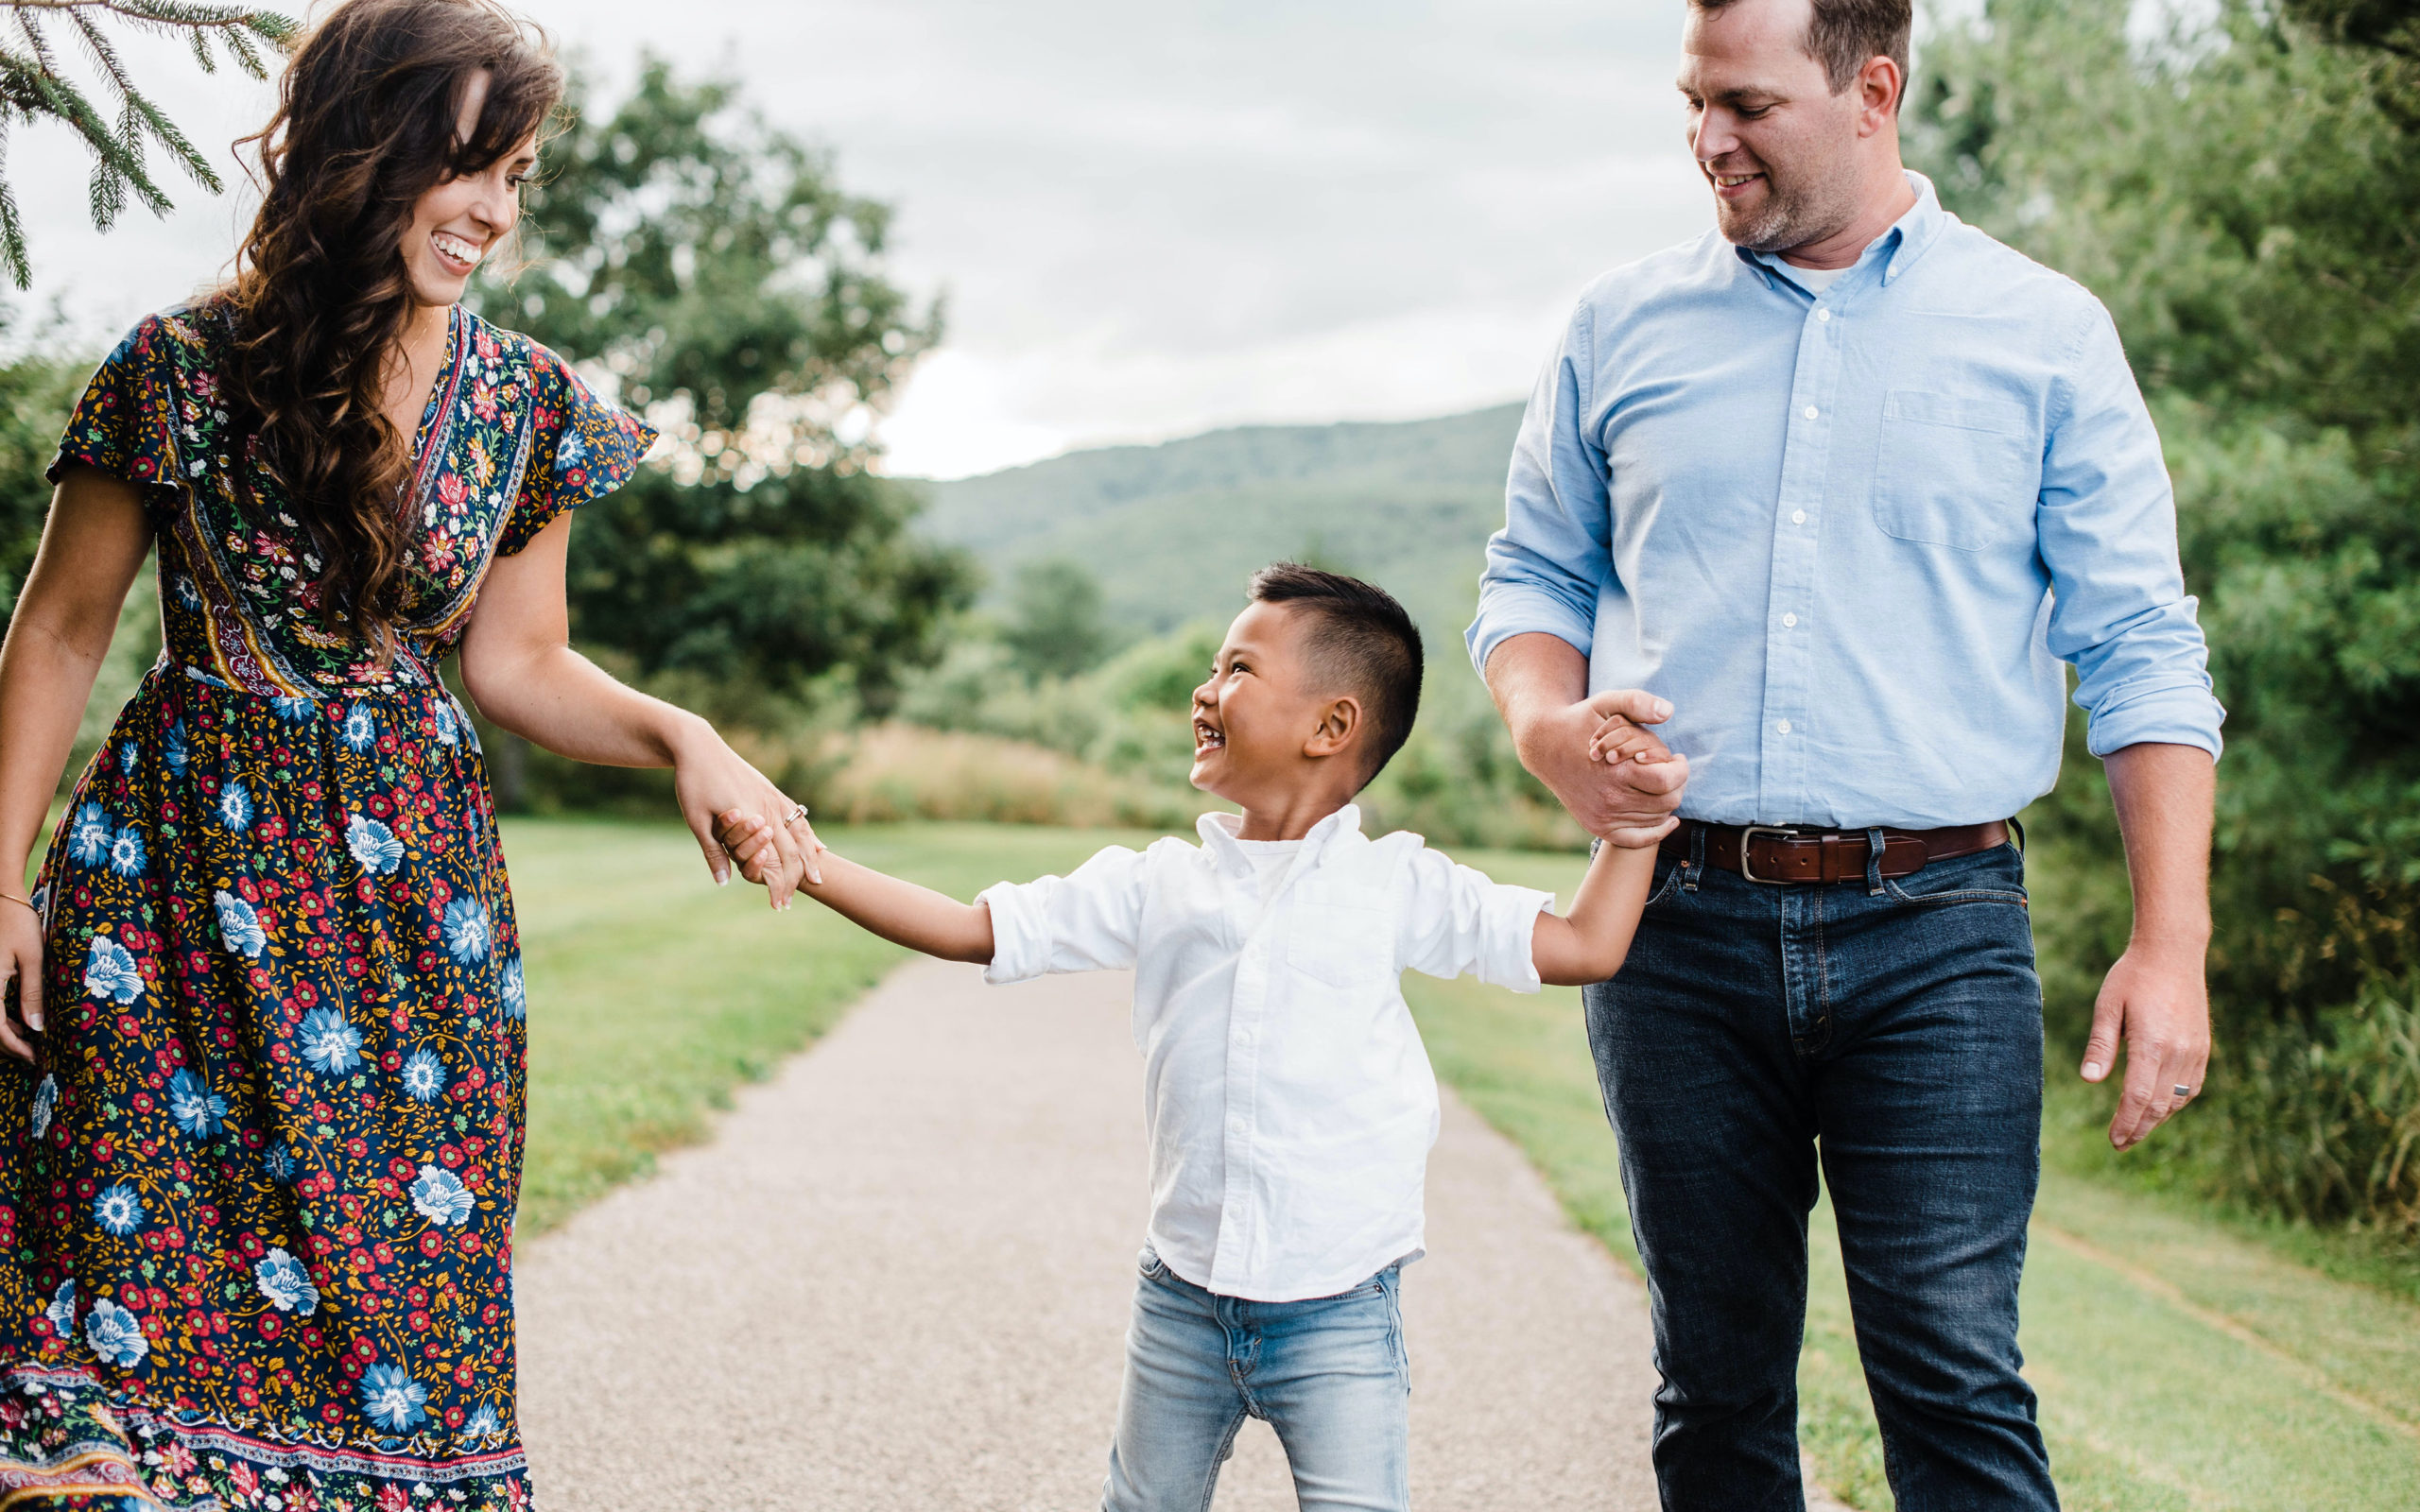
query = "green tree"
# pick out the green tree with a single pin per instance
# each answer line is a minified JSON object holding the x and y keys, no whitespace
{"x":2240,"y":193}
{"x":1057,"y":620}
{"x":33,"y":88}
{"x":711,"y":265}
{"x":38,"y":386}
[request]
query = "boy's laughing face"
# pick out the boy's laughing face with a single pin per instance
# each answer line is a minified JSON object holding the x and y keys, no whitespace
{"x":1259,"y":721}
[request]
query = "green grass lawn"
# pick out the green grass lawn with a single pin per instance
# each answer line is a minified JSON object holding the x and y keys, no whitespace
{"x":2184,"y":1361}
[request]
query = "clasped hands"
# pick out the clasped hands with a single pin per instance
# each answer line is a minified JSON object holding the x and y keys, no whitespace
{"x":1608,"y":769}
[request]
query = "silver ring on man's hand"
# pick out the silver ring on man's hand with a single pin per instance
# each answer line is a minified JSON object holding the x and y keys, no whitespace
{"x":797,"y":812}
{"x":2182,"y":1090}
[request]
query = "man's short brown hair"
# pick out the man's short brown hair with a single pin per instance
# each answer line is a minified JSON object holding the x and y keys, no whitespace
{"x":1845,"y":33}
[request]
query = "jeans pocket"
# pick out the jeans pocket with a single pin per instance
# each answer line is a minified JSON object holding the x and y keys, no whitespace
{"x":1994,"y":876}
{"x":1152,"y":1265}
{"x":1670,"y":874}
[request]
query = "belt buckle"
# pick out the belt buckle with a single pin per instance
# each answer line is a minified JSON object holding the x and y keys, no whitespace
{"x":1747,"y":842}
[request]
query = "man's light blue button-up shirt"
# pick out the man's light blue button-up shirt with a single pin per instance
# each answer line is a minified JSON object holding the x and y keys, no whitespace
{"x":1852,"y":536}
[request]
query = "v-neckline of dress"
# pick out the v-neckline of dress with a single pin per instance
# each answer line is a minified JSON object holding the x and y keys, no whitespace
{"x":442,"y":391}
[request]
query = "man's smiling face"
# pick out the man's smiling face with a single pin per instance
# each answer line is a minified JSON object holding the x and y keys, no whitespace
{"x":1774,"y":143}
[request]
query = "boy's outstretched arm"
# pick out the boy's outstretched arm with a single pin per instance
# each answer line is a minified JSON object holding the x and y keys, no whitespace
{"x":898,"y":911}
{"x":1590,"y":943}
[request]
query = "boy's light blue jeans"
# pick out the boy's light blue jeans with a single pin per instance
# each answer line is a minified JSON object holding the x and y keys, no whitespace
{"x":1328,"y":1373}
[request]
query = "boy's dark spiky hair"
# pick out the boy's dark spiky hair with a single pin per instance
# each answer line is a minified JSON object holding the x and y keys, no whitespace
{"x":1361,"y":642}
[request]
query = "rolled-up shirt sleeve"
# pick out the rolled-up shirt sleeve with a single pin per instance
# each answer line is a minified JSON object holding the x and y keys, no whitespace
{"x":1546,"y":568}
{"x":2107,"y":525}
{"x":1454,"y":920}
{"x":1087,"y":920}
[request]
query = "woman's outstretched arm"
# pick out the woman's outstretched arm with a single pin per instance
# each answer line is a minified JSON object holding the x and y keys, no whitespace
{"x":521,"y":670}
{"x":92,"y":546}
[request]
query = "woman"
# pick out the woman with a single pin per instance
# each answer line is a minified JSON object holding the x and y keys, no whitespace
{"x":260,"y":1175}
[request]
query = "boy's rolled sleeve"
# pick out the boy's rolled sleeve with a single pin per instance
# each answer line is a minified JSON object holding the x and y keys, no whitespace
{"x":1085,"y":921}
{"x":1454,"y":920}
{"x":1545,"y":569}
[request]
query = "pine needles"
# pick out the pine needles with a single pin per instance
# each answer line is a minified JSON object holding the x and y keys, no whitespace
{"x":121,"y":129}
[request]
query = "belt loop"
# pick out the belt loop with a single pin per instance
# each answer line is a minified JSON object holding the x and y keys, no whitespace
{"x":1874,"y":861}
{"x":2017,"y":827}
{"x":1695,"y":866}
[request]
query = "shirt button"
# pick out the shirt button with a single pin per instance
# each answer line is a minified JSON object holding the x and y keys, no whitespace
{"x":1798,"y":517}
{"x":1823,"y":315}
{"x":1790,"y":621}
{"x":1810,"y":412}
{"x":1783,"y":727}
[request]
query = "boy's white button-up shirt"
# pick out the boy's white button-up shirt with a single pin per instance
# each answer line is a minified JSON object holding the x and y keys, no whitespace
{"x":1289,"y":1098}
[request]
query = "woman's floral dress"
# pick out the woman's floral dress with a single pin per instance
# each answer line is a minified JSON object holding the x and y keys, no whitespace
{"x":257,"y":1200}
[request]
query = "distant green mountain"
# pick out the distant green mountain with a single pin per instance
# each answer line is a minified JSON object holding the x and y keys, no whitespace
{"x":1173,"y":530}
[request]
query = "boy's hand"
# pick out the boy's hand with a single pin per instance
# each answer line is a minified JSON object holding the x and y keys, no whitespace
{"x":748,"y":839}
{"x":1620,"y":740}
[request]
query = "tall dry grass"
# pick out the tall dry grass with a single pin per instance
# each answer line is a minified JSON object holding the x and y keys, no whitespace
{"x":898,"y":771}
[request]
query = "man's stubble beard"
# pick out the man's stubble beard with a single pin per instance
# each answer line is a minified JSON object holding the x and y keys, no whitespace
{"x":1807,"y":209}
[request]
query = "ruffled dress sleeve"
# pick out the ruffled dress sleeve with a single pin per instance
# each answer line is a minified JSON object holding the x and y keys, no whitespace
{"x":583,"y":448}
{"x":127,"y":424}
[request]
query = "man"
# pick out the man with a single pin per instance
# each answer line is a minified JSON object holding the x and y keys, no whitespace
{"x":1846,"y":482}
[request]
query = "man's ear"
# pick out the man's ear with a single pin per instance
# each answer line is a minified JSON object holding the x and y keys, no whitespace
{"x":1881,"y":89}
{"x":1339,"y":723}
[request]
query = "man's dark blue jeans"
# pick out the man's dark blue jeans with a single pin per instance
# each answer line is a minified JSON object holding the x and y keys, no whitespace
{"x":1891,"y":1030}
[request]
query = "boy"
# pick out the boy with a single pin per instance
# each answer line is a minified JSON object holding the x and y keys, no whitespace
{"x":1289,"y":1101}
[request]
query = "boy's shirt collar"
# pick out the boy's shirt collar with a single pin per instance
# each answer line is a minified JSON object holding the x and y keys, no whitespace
{"x":1218,"y":830}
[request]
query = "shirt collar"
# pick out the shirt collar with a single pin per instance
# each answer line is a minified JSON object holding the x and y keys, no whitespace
{"x":1218,"y":830}
{"x":1893,"y":252}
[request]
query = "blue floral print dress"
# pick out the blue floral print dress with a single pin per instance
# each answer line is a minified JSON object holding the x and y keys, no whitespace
{"x":258,"y":1194}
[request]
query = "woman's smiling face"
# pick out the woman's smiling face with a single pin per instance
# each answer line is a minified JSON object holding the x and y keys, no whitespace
{"x":456,"y":224}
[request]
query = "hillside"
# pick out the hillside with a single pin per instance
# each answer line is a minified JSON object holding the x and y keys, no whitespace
{"x":1172,"y":530}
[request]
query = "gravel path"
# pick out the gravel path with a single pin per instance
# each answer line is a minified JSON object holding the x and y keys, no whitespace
{"x":899,"y":1276}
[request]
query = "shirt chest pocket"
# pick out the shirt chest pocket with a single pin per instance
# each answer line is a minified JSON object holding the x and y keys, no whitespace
{"x":1339,"y":938}
{"x":1956,"y":471}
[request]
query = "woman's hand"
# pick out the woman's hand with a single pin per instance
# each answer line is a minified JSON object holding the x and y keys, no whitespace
{"x":712,"y":780}
{"x":92,"y":545}
{"x":21,"y":967}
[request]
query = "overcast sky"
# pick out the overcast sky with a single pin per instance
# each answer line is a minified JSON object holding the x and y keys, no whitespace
{"x":1148,"y":220}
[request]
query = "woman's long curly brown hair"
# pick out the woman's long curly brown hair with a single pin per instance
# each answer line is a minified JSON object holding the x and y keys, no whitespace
{"x":366,"y":122}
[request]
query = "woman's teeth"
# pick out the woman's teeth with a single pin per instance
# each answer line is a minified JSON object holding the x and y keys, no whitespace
{"x":457,"y":249}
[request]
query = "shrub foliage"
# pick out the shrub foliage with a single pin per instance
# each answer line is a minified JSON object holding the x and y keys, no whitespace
{"x":2238,"y":191}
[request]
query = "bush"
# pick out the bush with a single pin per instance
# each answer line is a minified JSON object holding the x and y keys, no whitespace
{"x":2238,"y":192}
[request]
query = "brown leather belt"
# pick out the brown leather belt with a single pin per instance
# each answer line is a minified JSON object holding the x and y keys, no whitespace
{"x":1787,"y":853}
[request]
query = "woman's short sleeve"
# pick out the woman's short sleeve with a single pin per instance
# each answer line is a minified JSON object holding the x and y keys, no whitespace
{"x":125,"y":423}
{"x":583,"y":448}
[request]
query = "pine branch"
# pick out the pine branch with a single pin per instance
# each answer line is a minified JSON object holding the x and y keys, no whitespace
{"x":12,"y":231}
{"x":33,"y":87}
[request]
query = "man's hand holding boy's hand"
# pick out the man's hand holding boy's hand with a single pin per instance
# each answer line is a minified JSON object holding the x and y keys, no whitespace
{"x":1612,"y":772}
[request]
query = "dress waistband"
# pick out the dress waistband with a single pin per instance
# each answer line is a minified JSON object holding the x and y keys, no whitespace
{"x":168,"y":666}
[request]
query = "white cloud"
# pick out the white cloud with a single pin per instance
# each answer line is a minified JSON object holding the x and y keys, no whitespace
{"x":1147,"y":220}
